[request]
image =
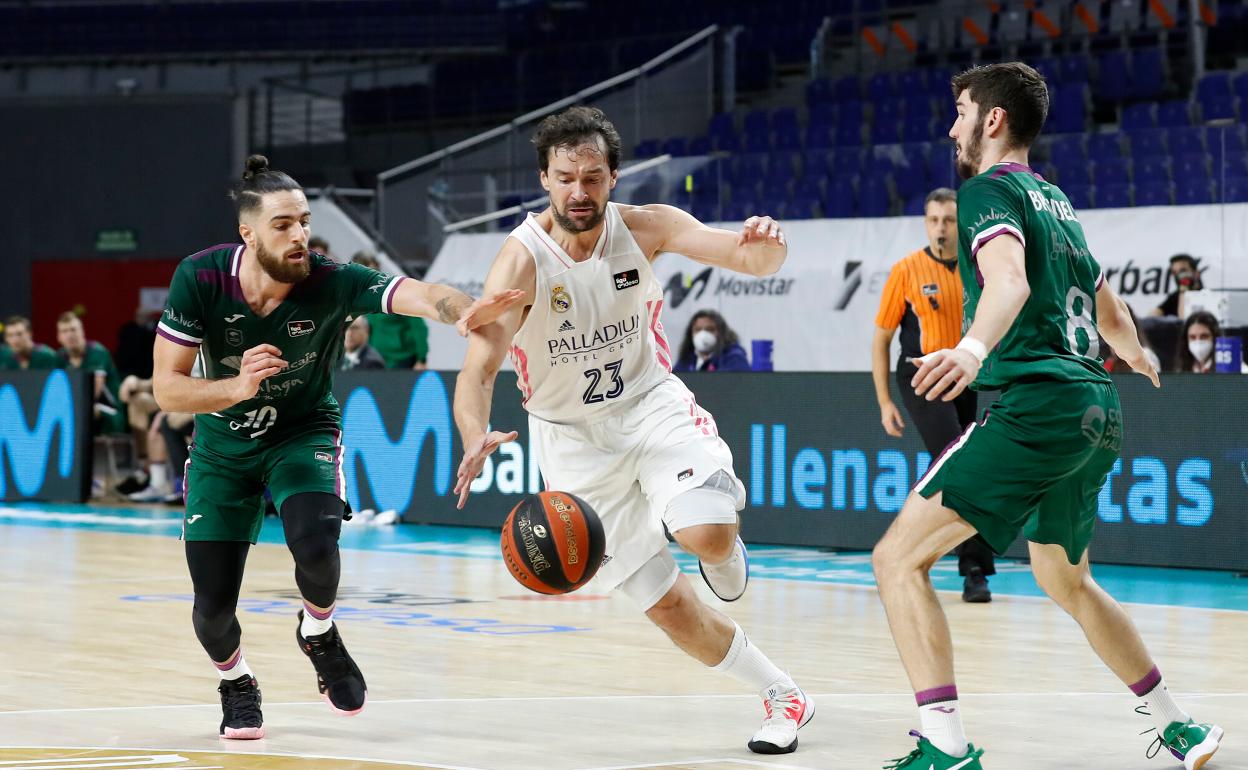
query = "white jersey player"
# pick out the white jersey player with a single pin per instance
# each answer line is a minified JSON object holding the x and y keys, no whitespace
{"x":612,"y":425}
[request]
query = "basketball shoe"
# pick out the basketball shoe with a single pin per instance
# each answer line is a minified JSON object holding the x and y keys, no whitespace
{"x":241,"y":719}
{"x":1191,"y":743}
{"x":338,"y":678}
{"x":928,"y":757}
{"x":728,"y":580}
{"x":788,"y":710}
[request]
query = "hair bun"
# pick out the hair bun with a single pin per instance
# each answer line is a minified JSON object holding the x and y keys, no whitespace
{"x":256,"y":164}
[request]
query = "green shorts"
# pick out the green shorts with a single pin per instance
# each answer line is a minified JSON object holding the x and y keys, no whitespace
{"x":225,"y":494}
{"x":1036,"y":463}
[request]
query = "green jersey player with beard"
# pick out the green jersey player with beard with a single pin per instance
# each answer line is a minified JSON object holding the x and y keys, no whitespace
{"x":1035,"y":301}
{"x":266,"y":319}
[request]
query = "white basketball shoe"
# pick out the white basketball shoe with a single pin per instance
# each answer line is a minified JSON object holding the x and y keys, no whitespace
{"x":788,"y":710}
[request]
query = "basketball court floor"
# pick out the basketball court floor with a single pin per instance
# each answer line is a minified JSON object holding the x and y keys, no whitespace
{"x":99,"y":667}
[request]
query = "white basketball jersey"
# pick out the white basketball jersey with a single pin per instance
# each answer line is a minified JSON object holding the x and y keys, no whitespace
{"x":593,"y":339}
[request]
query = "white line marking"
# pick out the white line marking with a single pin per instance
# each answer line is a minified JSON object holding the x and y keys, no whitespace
{"x":601,"y":698}
{"x":728,"y":760}
{"x":405,"y":762}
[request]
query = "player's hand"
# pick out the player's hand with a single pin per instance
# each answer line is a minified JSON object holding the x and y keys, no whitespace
{"x":946,"y":372}
{"x":258,"y":364}
{"x":474,"y":460}
{"x":762,"y":230}
{"x":1145,"y":367}
{"x":891,"y":419}
{"x":487,"y":310}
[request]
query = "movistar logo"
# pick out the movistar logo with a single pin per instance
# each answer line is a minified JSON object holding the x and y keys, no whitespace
{"x":678,"y":287}
{"x":394,"y":464}
{"x":24,"y":451}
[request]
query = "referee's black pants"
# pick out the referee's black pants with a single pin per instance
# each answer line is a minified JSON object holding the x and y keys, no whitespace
{"x":939,"y":423}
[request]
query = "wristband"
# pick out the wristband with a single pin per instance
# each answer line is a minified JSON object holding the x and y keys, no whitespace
{"x":974,"y":347}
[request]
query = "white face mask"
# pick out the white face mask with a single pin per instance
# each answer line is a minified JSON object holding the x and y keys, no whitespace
{"x":1200,"y":349}
{"x":704,"y":341}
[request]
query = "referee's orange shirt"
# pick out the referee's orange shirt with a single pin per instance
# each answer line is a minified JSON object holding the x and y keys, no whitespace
{"x":924,"y":297}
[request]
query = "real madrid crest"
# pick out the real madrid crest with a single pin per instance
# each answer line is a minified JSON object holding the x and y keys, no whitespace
{"x":560,"y":300}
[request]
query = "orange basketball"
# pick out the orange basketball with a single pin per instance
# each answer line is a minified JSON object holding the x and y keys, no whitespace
{"x":553,"y":542}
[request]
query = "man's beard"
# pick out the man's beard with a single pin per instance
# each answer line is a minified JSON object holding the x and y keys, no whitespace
{"x":571,"y":225}
{"x":279,"y":269}
{"x":972,"y":154}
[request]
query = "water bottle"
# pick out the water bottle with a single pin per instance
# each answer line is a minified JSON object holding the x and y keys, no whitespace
{"x":760,"y":360}
{"x":1228,"y":355}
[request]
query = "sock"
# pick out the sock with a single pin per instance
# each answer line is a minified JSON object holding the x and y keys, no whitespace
{"x":158,"y":477}
{"x":1157,"y":699}
{"x":233,"y":668}
{"x":748,"y":665}
{"x":315,"y":622}
{"x":940,"y":719}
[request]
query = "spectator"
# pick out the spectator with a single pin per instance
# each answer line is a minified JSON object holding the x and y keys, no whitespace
{"x":356,"y":352}
{"x":22,"y":351}
{"x":320,"y":246}
{"x":77,"y":352}
{"x":142,"y":413}
{"x":403,"y":341}
{"x":135,"y":341}
{"x":1195,"y":353}
{"x":711,"y":346}
{"x":1186,"y":271}
{"x":1111,"y":358}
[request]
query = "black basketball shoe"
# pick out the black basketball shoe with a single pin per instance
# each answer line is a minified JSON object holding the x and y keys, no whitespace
{"x":241,"y":719}
{"x":338,"y":678}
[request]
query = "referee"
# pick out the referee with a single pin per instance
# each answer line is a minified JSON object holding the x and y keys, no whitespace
{"x":923,"y":295}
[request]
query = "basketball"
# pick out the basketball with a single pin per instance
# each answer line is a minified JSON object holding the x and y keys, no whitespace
{"x":553,"y":542}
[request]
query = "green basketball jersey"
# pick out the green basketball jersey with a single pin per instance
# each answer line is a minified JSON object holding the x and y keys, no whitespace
{"x":206,"y":309}
{"x":1054,"y":336}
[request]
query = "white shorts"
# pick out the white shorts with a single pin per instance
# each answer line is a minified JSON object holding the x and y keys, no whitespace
{"x":629,"y":466}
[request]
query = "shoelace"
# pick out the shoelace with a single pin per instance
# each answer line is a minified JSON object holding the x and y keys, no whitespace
{"x":1159,"y":742}
{"x":241,"y":700}
{"x":778,"y":707}
{"x":901,"y":762}
{"x":330,"y":656}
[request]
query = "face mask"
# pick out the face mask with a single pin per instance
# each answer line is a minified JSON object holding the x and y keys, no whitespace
{"x":1200,"y":349}
{"x":704,"y":341}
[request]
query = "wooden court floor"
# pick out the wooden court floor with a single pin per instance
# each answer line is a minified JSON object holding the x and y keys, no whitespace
{"x":99,"y":668}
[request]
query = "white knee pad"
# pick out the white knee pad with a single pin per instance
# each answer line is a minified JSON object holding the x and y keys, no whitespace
{"x":715,"y":502}
{"x":652,"y":580}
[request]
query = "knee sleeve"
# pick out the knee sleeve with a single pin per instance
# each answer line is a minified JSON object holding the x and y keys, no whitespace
{"x":217,"y":575}
{"x":652,"y":580}
{"x":715,"y":502}
{"x":312,"y":522}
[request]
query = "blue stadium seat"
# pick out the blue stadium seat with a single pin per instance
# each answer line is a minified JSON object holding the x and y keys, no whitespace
{"x":1048,"y":67}
{"x":1151,"y":169}
{"x":851,"y":112}
{"x":818,"y":137}
{"x":775,"y":189}
{"x":1213,"y":94}
{"x":721,"y":124}
{"x":1233,"y":164}
{"x":880,"y":86}
{"x":1147,"y":73}
{"x":818,"y":91}
{"x":938,"y":82}
{"x":1113,"y":196}
{"x":1235,"y":190}
{"x":805,"y":207}
{"x":1139,"y":116}
{"x":848,"y":88}
{"x":784,"y":162}
{"x":841,"y":199}
{"x":911,"y":181}
{"x":675,"y":146}
{"x":1068,"y":147}
{"x":699,"y":145}
{"x":1239,"y":85}
{"x":755,"y":122}
{"x":787,"y":138}
{"x":822,"y":115}
{"x":911,"y":81}
{"x":647,"y":149}
{"x":1190,"y":165}
{"x":1113,"y":82}
{"x":914,"y":206}
{"x":885,"y":132}
{"x":808,"y":187}
{"x":748,"y":168}
{"x":879,"y":165}
{"x":727,"y":143}
{"x":916,"y":128}
{"x":1176,"y":112}
{"x":1194,"y":190}
{"x":848,"y":162}
{"x":1074,"y":69}
{"x":848,"y":134}
{"x":1101,"y":145}
{"x":1110,"y":171}
{"x":757,"y":142}
{"x":784,"y":118}
{"x":1152,"y":194}
{"x":816,"y":163}
{"x":1080,"y":195}
{"x":1073,"y":173}
{"x":1182,"y":139}
{"x":1070,"y":105}
{"x":941,"y":172}
{"x":888,"y":109}
{"x":1148,"y":142}
{"x":873,"y":197}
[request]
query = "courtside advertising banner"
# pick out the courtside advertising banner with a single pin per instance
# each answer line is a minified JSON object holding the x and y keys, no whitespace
{"x":818,"y":468}
{"x":45,"y":436}
{"x":819,"y":309}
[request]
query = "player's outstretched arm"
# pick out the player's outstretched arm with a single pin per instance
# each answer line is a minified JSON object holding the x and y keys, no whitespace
{"x":513,"y":271}
{"x":1113,"y":321}
{"x":759,"y":248}
{"x":176,"y":391}
{"x":1002,"y":262}
{"x":450,"y":305}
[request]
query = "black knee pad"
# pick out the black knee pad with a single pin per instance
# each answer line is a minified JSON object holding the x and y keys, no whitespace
{"x":312,"y":522}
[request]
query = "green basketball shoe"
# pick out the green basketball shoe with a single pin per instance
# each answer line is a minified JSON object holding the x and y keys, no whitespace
{"x":928,"y":757}
{"x":1192,"y":743}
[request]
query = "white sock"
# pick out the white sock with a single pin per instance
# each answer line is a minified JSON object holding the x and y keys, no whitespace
{"x":233,"y":668}
{"x":1162,"y":708}
{"x":314,"y":626}
{"x":940,"y":720}
{"x":157,"y":476}
{"x":747,"y":664}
